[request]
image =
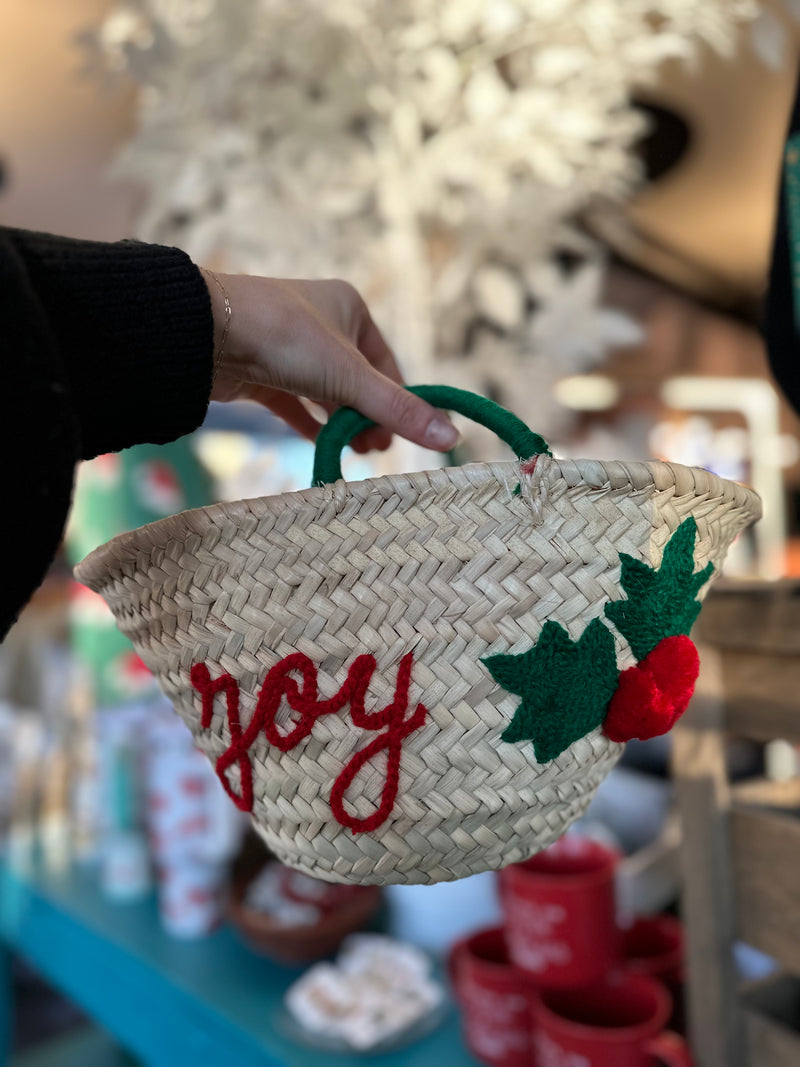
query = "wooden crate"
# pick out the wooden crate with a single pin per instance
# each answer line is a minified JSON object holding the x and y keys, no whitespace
{"x":772,"y":1022}
{"x":740,"y":846}
{"x":754,"y":630}
{"x":765,"y":848}
{"x":752,"y":615}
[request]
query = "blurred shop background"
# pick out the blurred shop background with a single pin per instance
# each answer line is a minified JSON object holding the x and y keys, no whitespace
{"x":570,"y":214}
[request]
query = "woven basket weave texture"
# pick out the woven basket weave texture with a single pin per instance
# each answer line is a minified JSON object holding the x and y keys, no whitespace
{"x":451,"y":565}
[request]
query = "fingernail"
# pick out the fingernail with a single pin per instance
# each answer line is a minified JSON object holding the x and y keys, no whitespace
{"x":441,"y":434}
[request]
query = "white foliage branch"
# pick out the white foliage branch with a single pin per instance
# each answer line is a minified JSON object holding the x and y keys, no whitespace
{"x":408,"y":145}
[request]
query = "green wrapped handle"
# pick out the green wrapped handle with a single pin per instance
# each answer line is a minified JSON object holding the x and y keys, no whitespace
{"x":347,"y":423}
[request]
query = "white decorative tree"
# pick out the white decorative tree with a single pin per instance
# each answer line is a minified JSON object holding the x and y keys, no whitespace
{"x":430,"y":151}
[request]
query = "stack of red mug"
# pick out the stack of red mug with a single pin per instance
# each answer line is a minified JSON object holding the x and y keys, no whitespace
{"x":560,"y":984}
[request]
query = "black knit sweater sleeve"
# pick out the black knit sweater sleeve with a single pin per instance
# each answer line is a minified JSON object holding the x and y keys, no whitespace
{"x":103,"y":346}
{"x":781,"y":331}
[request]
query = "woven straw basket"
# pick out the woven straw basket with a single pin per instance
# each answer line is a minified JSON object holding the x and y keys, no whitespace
{"x":336,"y":651}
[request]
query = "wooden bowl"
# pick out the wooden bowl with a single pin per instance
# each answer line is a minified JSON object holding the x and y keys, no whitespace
{"x":356,"y":907}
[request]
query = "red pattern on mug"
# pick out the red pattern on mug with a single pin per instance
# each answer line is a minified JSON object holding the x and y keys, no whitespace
{"x":494,"y":997}
{"x":559,"y":912}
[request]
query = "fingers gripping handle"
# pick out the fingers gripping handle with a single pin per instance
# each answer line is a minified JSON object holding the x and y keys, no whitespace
{"x":347,"y":423}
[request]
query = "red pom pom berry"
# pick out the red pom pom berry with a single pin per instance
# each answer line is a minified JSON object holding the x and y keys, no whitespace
{"x":653,"y":695}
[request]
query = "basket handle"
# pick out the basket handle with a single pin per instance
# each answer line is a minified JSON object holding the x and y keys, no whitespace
{"x":346,"y":423}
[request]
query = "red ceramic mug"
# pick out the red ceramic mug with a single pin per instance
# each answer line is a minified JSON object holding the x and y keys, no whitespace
{"x":560,"y":915}
{"x":495,"y":1000}
{"x":616,"y":1023}
{"x":654,"y":946}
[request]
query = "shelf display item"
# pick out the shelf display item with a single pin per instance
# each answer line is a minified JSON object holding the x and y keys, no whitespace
{"x":560,"y":913}
{"x":654,"y":945}
{"x":619,"y":1022}
{"x":418,"y":677}
{"x":295,"y":919}
{"x":494,"y":997}
{"x":190,"y":833}
{"x":116,"y":492}
{"x":377,"y":993}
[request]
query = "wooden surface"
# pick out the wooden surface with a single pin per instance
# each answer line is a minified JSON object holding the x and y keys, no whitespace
{"x":762,"y":793}
{"x":766,"y":873}
{"x":741,"y":850}
{"x":753,"y":616}
{"x":768,"y":1043}
{"x":772,"y":1017}
{"x":703,"y":798}
{"x":754,"y":630}
{"x":740,"y":847}
{"x":762,"y":694}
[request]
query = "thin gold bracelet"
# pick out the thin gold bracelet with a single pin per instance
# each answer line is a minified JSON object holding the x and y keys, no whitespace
{"x":226,"y":327}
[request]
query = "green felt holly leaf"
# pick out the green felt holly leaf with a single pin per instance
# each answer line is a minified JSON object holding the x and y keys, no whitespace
{"x":661,"y":601}
{"x":565,"y":686}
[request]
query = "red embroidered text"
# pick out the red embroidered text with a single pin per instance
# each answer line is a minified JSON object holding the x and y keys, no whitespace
{"x":282,"y":683}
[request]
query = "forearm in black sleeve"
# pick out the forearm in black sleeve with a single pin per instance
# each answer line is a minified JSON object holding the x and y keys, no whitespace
{"x":101,"y":346}
{"x":133,"y":326}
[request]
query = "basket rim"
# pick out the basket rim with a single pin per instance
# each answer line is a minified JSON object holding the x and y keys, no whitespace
{"x":127,"y":548}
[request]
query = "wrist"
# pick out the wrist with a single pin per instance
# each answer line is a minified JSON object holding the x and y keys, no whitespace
{"x":222,"y":313}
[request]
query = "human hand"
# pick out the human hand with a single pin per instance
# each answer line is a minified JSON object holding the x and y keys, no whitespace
{"x":316,"y":339}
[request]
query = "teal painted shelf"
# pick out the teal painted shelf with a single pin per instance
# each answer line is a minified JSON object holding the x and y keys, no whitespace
{"x":211,"y":1001}
{"x":82,"y":1048}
